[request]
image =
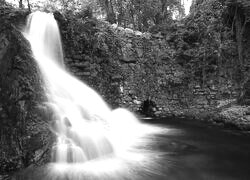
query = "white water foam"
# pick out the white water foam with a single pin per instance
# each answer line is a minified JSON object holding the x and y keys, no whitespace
{"x":86,"y":127}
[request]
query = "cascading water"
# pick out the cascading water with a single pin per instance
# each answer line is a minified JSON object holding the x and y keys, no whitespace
{"x":87,"y":129}
{"x":97,"y":143}
{"x":76,"y":106}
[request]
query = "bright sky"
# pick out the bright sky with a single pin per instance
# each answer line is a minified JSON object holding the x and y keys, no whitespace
{"x":187,"y":4}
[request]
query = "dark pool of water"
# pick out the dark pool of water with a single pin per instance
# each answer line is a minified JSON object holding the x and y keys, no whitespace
{"x":187,"y":151}
{"x":201,"y":151}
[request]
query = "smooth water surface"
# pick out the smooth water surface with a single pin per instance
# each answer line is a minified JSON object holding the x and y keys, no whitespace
{"x":181,"y":150}
{"x":200,"y":151}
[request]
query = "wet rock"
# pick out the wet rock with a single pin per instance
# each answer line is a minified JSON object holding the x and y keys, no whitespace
{"x":245,"y":97}
{"x":137,"y":102}
{"x":86,"y":73}
{"x":23,"y":131}
{"x":77,"y":57}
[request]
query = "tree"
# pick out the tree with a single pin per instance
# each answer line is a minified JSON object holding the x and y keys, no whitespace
{"x":108,"y":6}
{"x":205,"y":45}
{"x":137,"y":14}
{"x":140,"y":14}
{"x":20,"y":3}
{"x":29,"y":5}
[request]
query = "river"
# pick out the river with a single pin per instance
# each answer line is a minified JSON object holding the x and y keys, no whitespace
{"x":184,"y":150}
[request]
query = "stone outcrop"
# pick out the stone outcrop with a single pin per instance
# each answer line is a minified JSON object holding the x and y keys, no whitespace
{"x":129,"y":67}
{"x":245,"y":96}
{"x":24,"y":133}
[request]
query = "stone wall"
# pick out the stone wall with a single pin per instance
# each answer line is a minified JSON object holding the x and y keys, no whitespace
{"x":129,"y":67}
{"x":86,"y":59}
{"x":167,"y":83}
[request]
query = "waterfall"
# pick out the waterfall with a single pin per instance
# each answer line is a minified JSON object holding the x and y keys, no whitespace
{"x":85,"y":126}
{"x":79,"y":110}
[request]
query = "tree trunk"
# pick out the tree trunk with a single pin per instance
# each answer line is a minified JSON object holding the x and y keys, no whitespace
{"x":20,"y":4}
{"x":120,"y":13}
{"x":240,"y":23}
{"x":29,"y":5}
{"x":240,"y":28}
{"x":203,"y":68}
{"x":110,"y":11}
{"x":163,"y":9}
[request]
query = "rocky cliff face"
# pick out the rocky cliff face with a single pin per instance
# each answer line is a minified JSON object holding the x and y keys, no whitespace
{"x":24,"y":134}
{"x":129,"y":68}
{"x":139,"y":71}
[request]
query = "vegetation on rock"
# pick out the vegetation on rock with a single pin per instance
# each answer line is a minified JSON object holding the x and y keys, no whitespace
{"x":23,"y":126}
{"x":195,"y":67}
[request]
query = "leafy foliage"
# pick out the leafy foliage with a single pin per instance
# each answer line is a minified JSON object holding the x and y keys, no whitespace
{"x":205,"y":45}
{"x":136,"y":14}
{"x":141,"y":14}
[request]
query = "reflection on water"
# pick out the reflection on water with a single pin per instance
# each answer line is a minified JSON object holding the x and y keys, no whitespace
{"x":139,"y":162}
{"x":178,"y":151}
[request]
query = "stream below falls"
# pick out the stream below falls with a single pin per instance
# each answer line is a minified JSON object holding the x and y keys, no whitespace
{"x":182,"y":150}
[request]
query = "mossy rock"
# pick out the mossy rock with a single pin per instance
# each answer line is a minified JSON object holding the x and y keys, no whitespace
{"x":25,"y":136}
